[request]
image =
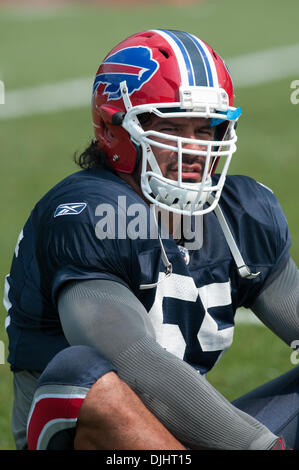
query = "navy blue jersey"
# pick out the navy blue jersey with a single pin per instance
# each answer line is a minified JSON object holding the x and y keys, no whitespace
{"x":93,"y":225}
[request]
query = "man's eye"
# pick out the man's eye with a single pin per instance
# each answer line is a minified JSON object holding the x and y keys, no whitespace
{"x":169,"y":130}
{"x":206,"y":131}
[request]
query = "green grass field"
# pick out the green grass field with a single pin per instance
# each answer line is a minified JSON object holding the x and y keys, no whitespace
{"x":39,"y":47}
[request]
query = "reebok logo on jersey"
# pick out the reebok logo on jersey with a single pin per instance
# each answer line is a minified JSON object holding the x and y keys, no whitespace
{"x":73,"y":208}
{"x":134,"y":65}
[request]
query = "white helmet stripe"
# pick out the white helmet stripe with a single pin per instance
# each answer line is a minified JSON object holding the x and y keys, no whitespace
{"x":181,"y":58}
{"x":195,"y":59}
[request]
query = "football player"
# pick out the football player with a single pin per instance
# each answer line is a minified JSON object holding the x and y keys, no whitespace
{"x":127,"y":275}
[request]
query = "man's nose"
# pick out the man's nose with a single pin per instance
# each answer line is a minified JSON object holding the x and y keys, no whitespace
{"x":192,"y":143}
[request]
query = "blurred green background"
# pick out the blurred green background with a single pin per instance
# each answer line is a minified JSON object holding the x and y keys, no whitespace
{"x":47,"y":45}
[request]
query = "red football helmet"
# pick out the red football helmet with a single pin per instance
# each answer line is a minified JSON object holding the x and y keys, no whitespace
{"x":166,"y":73}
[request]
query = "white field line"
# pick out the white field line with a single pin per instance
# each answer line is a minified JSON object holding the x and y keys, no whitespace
{"x":36,"y":13}
{"x":265,"y":66}
{"x":48,"y":98}
{"x":248,"y":70}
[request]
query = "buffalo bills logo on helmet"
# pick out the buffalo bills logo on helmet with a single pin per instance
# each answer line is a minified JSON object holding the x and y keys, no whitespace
{"x":134,"y":65}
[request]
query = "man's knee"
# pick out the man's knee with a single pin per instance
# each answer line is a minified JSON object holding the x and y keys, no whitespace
{"x":60,"y":393}
{"x":102,"y":406}
{"x":114,"y":417}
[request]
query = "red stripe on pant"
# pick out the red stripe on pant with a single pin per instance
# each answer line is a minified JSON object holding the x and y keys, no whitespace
{"x":48,"y":409}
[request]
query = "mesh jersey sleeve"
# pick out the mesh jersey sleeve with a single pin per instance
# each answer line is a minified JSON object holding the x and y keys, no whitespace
{"x":262,"y":234}
{"x":281,"y":235}
{"x":74,"y":252}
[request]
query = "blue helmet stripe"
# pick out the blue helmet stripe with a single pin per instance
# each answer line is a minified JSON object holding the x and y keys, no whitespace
{"x":173,"y":35}
{"x":205,"y":58}
{"x":197,"y":56}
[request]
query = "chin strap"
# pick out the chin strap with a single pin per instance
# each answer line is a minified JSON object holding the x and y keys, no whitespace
{"x":243,"y":269}
{"x":165,"y":260}
{"x":167,"y":272}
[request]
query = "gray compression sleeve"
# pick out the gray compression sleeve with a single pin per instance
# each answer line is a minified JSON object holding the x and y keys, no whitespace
{"x":278,"y":305}
{"x":107,"y":316}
